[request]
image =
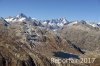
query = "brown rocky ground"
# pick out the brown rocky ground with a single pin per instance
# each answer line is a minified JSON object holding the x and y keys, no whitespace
{"x":15,"y":52}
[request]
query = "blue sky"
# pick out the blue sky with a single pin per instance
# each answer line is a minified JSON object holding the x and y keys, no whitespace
{"x":48,"y":9}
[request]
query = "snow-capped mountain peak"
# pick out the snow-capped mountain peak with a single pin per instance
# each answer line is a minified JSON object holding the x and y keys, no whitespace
{"x":19,"y":18}
{"x":21,"y":15}
{"x":63,"y":20}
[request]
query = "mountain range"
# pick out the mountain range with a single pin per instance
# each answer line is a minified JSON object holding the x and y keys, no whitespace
{"x":53,"y":23}
{"x":25,"y":41}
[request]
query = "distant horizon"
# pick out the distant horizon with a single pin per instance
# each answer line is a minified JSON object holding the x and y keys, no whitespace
{"x":72,"y":10}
